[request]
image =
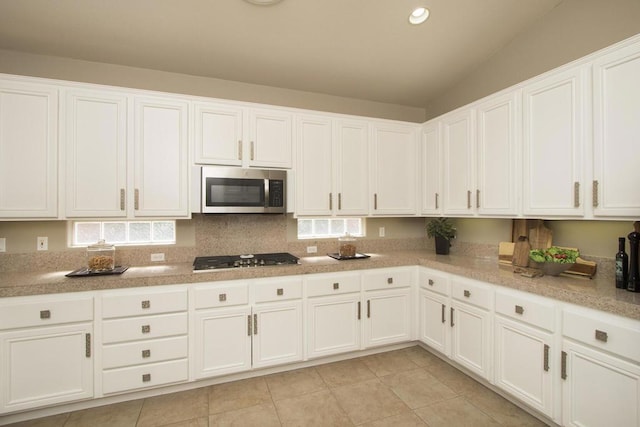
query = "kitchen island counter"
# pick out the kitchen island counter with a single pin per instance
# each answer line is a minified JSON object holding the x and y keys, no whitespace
{"x":597,"y":293}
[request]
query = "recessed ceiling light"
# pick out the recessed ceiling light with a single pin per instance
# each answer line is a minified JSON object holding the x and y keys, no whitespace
{"x":263,"y":2}
{"x":419,"y":15}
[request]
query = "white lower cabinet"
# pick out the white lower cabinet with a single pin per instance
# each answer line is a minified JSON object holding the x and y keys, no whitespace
{"x":144,"y":339}
{"x":46,"y":351}
{"x":600,"y":369}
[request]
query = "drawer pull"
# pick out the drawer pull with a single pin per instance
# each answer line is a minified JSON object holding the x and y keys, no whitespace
{"x":431,"y":282}
{"x":601,"y":336}
{"x":146,"y":378}
{"x":390,"y":280}
{"x":146,"y":329}
{"x":280,"y":292}
{"x":519,"y":309}
{"x":546,"y":358}
{"x":87,"y":345}
{"x":146,"y":354}
{"x":146,"y":304}
{"x":467,"y":293}
{"x":45,"y":314}
{"x":222,"y":297}
{"x":563,"y":365}
{"x":336,"y":286}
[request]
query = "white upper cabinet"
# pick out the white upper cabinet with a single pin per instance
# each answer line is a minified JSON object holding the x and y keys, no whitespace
{"x":226,"y":134}
{"x":28,"y":150}
{"x":161,"y":184}
{"x":431,"y":169}
{"x":394,"y":158}
{"x":351,"y":167}
{"x":314,"y":176}
{"x":616,"y":126}
{"x":497,"y":145}
{"x":554,"y":111}
{"x":458,"y":138}
{"x":95,"y":136}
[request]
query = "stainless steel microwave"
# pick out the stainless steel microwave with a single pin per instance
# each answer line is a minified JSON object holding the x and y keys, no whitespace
{"x":238,"y":190}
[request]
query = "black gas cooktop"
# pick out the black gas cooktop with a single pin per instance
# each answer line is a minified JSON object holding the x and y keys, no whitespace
{"x":207,"y":263}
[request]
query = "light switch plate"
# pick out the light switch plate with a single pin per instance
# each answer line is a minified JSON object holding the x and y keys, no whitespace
{"x":42,"y":244}
{"x":157,"y":257}
{"x":3,"y":244}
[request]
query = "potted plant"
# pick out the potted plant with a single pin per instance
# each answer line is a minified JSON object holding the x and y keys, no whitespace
{"x":443,"y":231}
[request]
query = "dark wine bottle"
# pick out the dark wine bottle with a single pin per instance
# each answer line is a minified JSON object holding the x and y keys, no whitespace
{"x":622,"y":265}
{"x":633,"y":284}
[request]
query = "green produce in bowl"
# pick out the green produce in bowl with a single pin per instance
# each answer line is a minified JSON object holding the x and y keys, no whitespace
{"x":554,"y":254}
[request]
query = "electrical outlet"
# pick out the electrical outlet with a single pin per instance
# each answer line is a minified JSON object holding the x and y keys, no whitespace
{"x":312,"y":249}
{"x":157,"y":257}
{"x":42,"y":243}
{"x":381,"y":231}
{"x":3,"y":244}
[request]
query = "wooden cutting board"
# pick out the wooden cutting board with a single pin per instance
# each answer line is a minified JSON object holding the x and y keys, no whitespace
{"x":521,"y":250}
{"x":540,"y":237}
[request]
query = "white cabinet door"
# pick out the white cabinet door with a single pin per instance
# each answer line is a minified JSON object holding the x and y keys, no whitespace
{"x":394,"y":169}
{"x":277,"y":333}
{"x":522,"y":363}
{"x":313,"y":179}
{"x":553,"y":121}
{"x":433,"y":326}
{"x":598,"y":390}
{"x":616,"y":128}
{"x":351,"y":167}
{"x":222,"y":341}
{"x":459,"y":164}
{"x":497,"y":144}
{"x":45,"y":366}
{"x":96,"y":154}
{"x":431,"y":169}
{"x":333,"y":324}
{"x":218,"y":134}
{"x":28,"y":150}
{"x":161,"y":158}
{"x":388,"y":317}
{"x":270,"y":139}
{"x":471,"y":338}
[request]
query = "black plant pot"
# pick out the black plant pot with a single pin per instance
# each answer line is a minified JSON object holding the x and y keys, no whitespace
{"x":442,"y":245}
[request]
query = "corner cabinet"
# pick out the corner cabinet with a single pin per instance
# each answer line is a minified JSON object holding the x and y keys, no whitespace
{"x":458,"y":140}
{"x":28,"y":150}
{"x":554,"y":110}
{"x":394,"y":167}
{"x":46,"y":351}
{"x":616,"y":108}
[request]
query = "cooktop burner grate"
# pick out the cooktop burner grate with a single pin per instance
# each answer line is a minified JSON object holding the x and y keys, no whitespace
{"x":206,"y":263}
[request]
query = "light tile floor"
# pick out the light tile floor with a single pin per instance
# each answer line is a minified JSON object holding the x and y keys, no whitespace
{"x":408,"y":387}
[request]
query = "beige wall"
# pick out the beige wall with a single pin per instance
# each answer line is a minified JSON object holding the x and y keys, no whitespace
{"x":572,"y":30}
{"x":117,"y":75}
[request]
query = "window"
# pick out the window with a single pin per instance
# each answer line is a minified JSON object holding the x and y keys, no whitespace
{"x":123,"y":232}
{"x":313,"y":228}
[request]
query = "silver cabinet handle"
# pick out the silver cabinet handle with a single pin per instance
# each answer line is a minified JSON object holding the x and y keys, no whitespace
{"x":563,"y":365}
{"x":339,"y":201}
{"x":519,"y":309}
{"x":87,"y":345}
{"x":546,"y":358}
{"x":145,"y":304}
{"x":45,"y":314}
{"x":279,"y":291}
{"x":436,"y":200}
{"x":255,"y":324}
{"x":122,"y":199}
{"x":249,"y":325}
{"x":468,"y":199}
{"x":375,"y":201}
{"x":136,"y":201}
{"x":595,"y":193}
{"x":336,"y":286}
{"x":390,"y":280}
{"x":451,"y":311}
{"x":239,"y":150}
{"x":467,"y":293}
{"x":146,"y":378}
{"x":477,"y":198}
{"x":146,"y":354}
{"x":443,"y":319}
{"x":431,"y":282}
{"x":576,"y":194}
{"x":222,"y":297}
{"x":330,"y":201}
{"x":358,"y":310}
{"x":253,"y":150}
{"x":146,"y":329}
{"x":368,"y":309}
{"x":601,"y":336}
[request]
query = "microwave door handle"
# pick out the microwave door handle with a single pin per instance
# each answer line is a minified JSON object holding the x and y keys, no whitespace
{"x":266,"y":193}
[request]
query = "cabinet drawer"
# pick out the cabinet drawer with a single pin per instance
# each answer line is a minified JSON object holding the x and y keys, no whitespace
{"x":138,"y":353}
{"x":277,"y":290}
{"x":141,"y":328}
{"x":44,"y":312}
{"x":332,"y":284}
{"x":144,"y":302}
{"x":223,"y":294}
{"x":434,"y":281}
{"x":152,"y":375}
{"x":471,"y":292}
{"x":387,"y":279}
{"x":616,"y":335}
{"x":533,"y":311}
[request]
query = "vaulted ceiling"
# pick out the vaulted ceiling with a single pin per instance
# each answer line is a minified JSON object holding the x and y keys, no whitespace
{"x":363,"y":49}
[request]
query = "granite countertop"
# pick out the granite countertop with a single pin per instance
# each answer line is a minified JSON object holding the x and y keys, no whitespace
{"x":598,"y":293}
